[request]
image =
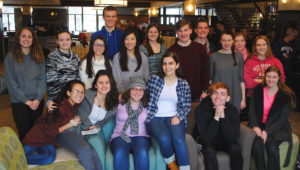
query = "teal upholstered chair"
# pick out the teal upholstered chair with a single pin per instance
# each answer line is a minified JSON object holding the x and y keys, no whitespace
{"x":101,"y":144}
{"x":283,"y":147}
{"x":12,"y":155}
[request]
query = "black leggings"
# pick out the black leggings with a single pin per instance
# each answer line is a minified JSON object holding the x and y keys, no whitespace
{"x":25,"y":117}
{"x":272,"y":148}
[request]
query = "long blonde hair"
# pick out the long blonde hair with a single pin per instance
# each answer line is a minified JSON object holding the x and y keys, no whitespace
{"x":35,"y":49}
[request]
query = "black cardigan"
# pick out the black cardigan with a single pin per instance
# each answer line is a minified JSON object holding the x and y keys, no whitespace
{"x":277,"y":124}
{"x":208,"y":127}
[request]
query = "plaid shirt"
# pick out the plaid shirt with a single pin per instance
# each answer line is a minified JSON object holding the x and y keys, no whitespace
{"x":154,"y":87}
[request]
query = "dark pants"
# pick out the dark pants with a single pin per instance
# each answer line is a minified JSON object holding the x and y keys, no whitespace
{"x":25,"y":117}
{"x":272,"y":148}
{"x":233,"y":149}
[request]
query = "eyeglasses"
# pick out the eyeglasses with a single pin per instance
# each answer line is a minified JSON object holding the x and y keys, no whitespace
{"x":78,"y":92}
{"x":99,"y":45}
{"x":137,"y":89}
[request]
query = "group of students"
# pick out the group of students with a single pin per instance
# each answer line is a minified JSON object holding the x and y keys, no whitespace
{"x":86,"y":95}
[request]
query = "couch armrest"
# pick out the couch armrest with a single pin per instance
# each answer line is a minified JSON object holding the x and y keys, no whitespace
{"x":247,"y":136}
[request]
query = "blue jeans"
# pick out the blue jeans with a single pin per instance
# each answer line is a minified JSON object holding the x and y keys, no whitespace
{"x":139,"y":146}
{"x":75,"y":143}
{"x":40,"y":155}
{"x":170,"y":138}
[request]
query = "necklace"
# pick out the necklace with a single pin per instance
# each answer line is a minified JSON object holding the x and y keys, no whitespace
{"x":101,"y":103}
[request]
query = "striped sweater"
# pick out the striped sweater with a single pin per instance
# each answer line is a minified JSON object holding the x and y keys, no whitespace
{"x":60,"y":68}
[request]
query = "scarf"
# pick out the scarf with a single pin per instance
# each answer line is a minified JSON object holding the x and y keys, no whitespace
{"x":132,"y":121}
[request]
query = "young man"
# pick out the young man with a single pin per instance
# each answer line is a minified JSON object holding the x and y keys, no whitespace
{"x":193,"y":59}
{"x":219,"y":127}
{"x":112,"y":34}
{"x":284,"y":50}
{"x":202,"y":30}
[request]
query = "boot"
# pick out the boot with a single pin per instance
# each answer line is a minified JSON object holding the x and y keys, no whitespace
{"x":173,"y":166}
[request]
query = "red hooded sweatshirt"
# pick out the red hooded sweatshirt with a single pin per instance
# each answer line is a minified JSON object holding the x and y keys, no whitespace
{"x":255,"y":68}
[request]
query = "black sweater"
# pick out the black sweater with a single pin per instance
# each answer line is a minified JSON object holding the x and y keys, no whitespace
{"x":211,"y":130}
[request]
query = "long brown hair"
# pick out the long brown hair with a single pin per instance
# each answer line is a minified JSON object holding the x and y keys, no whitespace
{"x":147,"y":43}
{"x":281,"y":85}
{"x":263,"y":37}
{"x":35,"y":48}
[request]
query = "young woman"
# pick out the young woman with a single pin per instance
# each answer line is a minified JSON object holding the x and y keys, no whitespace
{"x":99,"y":106}
{"x":228,"y":67}
{"x":67,"y":135}
{"x":256,"y":66}
{"x":129,"y":61}
{"x":96,"y":59}
{"x":269,"y":111}
{"x":153,"y":48}
{"x":39,"y":142}
{"x":24,"y":71}
{"x":62,"y":65}
{"x":169,"y":103}
{"x":240,"y":45}
{"x":130,"y":134}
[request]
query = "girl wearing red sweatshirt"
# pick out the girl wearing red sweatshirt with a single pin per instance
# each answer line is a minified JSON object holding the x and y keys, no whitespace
{"x":261,"y":59}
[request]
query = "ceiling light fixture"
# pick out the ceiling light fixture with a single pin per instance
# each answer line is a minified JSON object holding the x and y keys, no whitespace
{"x":110,"y":2}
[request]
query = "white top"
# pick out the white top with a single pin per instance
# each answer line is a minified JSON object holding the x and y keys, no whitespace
{"x":97,"y":114}
{"x":167,"y":101}
{"x":97,"y":65}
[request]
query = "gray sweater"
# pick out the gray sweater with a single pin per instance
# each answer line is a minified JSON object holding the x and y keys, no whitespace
{"x":86,"y":108}
{"x":25,"y":80}
{"x":122,"y":77}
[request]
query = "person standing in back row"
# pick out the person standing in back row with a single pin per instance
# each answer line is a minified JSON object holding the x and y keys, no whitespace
{"x":193,"y":59}
{"x":112,"y":34}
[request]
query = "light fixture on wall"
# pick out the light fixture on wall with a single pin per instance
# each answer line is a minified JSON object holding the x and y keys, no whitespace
{"x":110,"y":2}
{"x":153,"y":11}
{"x":189,"y":7}
{"x":1,"y":5}
{"x":136,"y":13}
{"x":26,"y":10}
{"x":284,"y":1}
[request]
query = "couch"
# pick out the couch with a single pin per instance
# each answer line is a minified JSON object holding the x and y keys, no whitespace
{"x":12,"y":155}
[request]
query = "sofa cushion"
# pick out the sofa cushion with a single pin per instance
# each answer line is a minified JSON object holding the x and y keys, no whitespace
{"x":11,"y":151}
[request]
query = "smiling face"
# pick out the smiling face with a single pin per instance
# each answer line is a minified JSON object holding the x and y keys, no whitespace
{"x":130,"y":41}
{"x":219,"y":97}
{"x":64,"y":41}
{"x":202,"y":30}
{"x":25,"y":38}
{"x":226,"y":41}
{"x":169,"y":66}
{"x":136,"y":93}
{"x":261,"y":47}
{"x":239,"y":42}
{"x":103,"y":85}
{"x":153,"y":34}
{"x":98,"y":47}
{"x":184,"y":33}
{"x":77,"y":94}
{"x":272,"y":79}
{"x":110,"y":18}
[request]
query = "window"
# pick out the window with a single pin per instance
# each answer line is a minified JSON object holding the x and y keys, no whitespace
{"x":75,"y":19}
{"x":8,"y":19}
{"x":170,"y":15}
{"x":173,"y":11}
{"x":89,"y":19}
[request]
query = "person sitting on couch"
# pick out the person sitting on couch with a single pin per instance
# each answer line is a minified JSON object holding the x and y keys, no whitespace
{"x":219,"y":126}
